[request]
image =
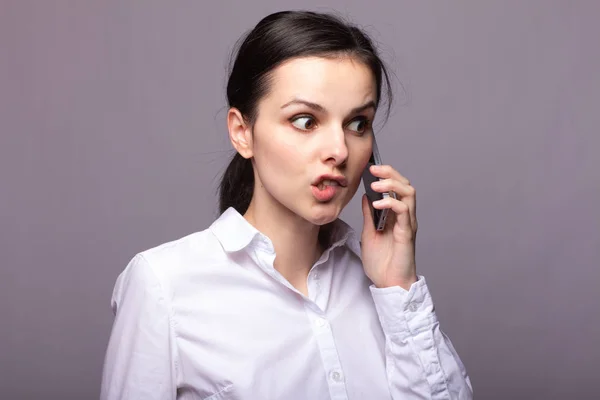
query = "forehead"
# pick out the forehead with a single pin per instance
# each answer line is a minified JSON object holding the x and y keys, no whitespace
{"x":338,"y":84}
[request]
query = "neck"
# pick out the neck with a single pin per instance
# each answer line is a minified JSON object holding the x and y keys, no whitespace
{"x":296,"y":241}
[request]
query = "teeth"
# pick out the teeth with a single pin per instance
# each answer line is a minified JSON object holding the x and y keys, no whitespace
{"x":327,"y":182}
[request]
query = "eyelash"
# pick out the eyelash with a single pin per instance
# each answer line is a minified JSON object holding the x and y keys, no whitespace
{"x":359,"y":118}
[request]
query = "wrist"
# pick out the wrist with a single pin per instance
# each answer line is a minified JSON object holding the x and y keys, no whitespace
{"x":404,"y":283}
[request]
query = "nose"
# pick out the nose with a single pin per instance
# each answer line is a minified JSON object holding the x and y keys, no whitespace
{"x":335,"y":148}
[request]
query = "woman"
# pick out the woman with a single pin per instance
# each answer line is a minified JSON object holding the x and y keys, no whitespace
{"x":278,"y":298}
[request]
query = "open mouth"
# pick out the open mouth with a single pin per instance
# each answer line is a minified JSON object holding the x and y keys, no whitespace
{"x":327,"y":182}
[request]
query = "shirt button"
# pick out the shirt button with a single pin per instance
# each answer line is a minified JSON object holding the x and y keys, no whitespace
{"x":320,"y":322}
{"x":413,"y":307}
{"x":336,"y":376}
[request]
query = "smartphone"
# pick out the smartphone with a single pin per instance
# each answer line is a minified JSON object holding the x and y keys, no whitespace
{"x":379,"y":216}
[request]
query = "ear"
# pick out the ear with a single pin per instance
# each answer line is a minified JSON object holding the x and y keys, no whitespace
{"x":240,"y":133}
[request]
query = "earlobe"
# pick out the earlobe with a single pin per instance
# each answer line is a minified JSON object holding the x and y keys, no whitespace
{"x":240,"y":133}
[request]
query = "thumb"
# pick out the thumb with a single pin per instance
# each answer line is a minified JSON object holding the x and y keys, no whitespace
{"x":368,"y":226}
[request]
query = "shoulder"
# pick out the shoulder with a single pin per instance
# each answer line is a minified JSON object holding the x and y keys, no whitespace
{"x":164,"y":265}
{"x":193,"y":247}
{"x":189,"y":254}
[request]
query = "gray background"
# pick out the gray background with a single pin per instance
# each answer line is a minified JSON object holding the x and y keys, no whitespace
{"x":113,"y":138}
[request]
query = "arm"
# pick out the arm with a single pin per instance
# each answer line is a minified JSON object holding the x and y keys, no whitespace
{"x":140,"y":360}
{"x":420,"y":359}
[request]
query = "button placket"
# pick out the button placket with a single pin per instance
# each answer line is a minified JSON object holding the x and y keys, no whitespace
{"x":336,"y":376}
{"x":320,"y":322}
{"x":329,"y":356}
{"x":314,"y":286}
{"x":317,"y":281}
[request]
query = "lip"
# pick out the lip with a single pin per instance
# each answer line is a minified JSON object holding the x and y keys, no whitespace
{"x":340,"y":179}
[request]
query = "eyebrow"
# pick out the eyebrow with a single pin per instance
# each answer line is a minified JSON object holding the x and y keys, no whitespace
{"x":320,"y":108}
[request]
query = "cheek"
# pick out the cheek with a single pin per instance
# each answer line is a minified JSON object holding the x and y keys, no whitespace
{"x":277,"y":159}
{"x":361,"y":154}
{"x":356,"y":166}
{"x":364,"y":160}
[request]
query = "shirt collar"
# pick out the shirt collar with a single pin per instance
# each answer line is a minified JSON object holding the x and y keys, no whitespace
{"x":235,"y":233}
{"x":340,"y":234}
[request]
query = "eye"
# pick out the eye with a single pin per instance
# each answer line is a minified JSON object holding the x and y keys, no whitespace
{"x":359,"y":125}
{"x":304,"y":122}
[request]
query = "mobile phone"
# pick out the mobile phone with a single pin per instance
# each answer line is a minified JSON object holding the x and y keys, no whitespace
{"x":379,"y":216}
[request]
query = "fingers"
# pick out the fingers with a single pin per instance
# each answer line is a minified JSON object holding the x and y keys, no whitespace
{"x":387,"y":185}
{"x":395,"y":182}
{"x":401,"y":210}
{"x":386,"y":171}
{"x":397,"y":206}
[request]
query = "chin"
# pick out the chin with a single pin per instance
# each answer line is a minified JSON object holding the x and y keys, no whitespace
{"x":324,"y":213}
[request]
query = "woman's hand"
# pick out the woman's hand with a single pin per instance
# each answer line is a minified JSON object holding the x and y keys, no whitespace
{"x":388,"y":256}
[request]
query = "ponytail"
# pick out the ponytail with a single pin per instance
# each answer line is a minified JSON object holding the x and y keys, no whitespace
{"x":237,"y":185}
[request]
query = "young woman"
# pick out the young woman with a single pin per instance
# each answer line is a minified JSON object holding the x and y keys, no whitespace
{"x":278,"y":298}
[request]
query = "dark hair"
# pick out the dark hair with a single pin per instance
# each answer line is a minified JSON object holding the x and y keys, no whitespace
{"x":276,"y":38}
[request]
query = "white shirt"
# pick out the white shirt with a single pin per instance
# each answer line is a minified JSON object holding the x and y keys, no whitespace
{"x":208,"y":317}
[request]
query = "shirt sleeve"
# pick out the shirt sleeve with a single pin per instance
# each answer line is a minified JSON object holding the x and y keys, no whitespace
{"x":421,"y":362}
{"x":140,"y":361}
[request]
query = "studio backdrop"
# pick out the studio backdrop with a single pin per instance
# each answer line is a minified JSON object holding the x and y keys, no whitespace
{"x":113,"y":140}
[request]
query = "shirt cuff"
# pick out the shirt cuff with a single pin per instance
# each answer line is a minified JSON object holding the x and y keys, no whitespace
{"x":403,"y":311}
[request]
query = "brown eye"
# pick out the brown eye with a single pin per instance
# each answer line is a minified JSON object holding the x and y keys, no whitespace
{"x":304,"y":123}
{"x":359,"y":125}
